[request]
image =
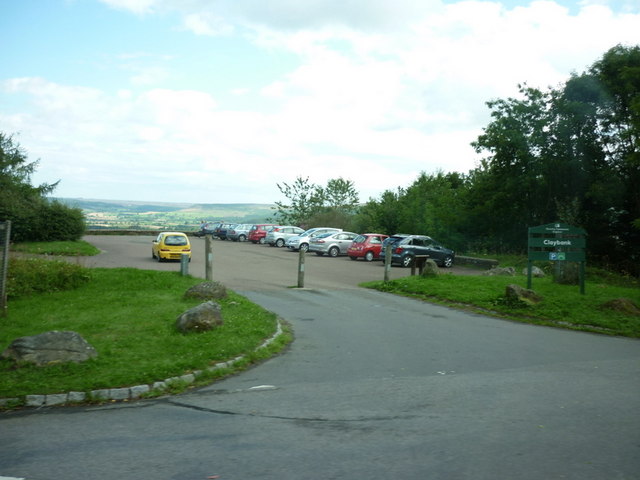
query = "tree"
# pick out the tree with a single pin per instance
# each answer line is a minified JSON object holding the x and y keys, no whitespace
{"x":32,"y":215}
{"x":311,"y":205}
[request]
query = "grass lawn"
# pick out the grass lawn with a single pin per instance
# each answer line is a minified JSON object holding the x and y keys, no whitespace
{"x":562,"y":305}
{"x":128,"y":315}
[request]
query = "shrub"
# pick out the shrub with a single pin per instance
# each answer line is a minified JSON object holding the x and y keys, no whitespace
{"x":28,"y":276}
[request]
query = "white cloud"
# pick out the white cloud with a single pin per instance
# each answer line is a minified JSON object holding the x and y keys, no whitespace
{"x":377,"y":96}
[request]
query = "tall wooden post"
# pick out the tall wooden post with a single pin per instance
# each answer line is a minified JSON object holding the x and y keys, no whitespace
{"x":301,"y":257}
{"x":208,"y":261}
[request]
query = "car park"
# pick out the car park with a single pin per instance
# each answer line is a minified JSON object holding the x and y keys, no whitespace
{"x":366,"y":246}
{"x":239,"y":233}
{"x":170,"y":246}
{"x":259,"y":231}
{"x":277,"y":236}
{"x":301,"y":242}
{"x":331,"y":243}
{"x":405,"y":248}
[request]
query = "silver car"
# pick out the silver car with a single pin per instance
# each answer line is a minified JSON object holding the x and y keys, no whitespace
{"x":333,"y":244}
{"x":240,"y":232}
{"x":301,"y":242}
{"x":277,"y":236}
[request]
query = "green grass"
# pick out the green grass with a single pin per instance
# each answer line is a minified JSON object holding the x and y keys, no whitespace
{"x":69,"y":248}
{"x":129,"y":316}
{"x":562,"y":305}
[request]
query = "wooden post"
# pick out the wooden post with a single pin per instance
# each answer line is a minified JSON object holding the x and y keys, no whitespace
{"x":301,"y":257}
{"x":184,"y":264}
{"x":208,"y":261}
{"x":387,"y":262}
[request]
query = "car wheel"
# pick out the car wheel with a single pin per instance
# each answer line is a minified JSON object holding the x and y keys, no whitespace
{"x":368,"y":256}
{"x":334,"y":251}
{"x":153,"y":255}
{"x":160,"y":259}
{"x":261,"y":241}
{"x":280,"y":243}
{"x":304,"y":247}
{"x":447,"y":262}
{"x":407,"y":260}
{"x":242,"y":238}
{"x":353,"y":258}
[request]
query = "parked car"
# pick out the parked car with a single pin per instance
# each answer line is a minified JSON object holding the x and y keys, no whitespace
{"x":239,"y":233}
{"x":301,"y":242}
{"x":224,"y":229}
{"x":367,"y":246}
{"x":332,"y":243}
{"x":259,"y":231}
{"x":404,"y":248}
{"x":170,"y":246}
{"x":277,"y":236}
{"x":206,"y":228}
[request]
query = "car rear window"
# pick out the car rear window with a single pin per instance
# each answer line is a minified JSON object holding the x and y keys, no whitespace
{"x":175,"y":240}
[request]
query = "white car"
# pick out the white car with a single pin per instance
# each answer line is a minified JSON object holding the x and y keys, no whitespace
{"x":301,"y":242}
{"x":333,"y":244}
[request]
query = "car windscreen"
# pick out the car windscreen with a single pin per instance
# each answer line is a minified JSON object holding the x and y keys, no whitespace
{"x":175,"y":240}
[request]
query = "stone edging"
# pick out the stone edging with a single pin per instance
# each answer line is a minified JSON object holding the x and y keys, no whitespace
{"x":124,"y":393}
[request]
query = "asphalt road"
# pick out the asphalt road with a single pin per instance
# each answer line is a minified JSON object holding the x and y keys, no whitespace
{"x":374,"y":386}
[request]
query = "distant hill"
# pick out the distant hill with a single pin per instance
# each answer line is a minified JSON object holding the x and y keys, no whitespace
{"x":125,"y":214}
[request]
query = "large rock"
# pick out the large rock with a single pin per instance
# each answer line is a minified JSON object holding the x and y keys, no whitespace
{"x":622,"y":305}
{"x":536,"y":272}
{"x":50,"y":348}
{"x":201,"y":318}
{"x":430,"y":269}
{"x":207,"y":291}
{"x":508,"y":271}
{"x":516,"y":293}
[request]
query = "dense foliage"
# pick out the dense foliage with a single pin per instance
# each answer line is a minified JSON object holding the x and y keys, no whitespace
{"x":568,"y":154}
{"x":33,"y":217}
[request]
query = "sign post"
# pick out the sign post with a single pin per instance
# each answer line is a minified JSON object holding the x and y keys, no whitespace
{"x":557,"y":242}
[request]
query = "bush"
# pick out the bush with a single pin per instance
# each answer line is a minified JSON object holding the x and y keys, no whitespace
{"x":28,"y":276}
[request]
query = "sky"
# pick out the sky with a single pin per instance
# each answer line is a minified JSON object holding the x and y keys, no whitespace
{"x":219,"y":101}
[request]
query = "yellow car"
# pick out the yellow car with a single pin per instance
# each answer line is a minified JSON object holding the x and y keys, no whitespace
{"x":170,"y":246}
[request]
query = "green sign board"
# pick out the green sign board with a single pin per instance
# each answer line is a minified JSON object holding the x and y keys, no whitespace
{"x":557,"y":242}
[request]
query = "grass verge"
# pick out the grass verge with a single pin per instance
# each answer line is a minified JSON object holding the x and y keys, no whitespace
{"x":69,"y":248}
{"x":128,"y":315}
{"x":562,"y":305}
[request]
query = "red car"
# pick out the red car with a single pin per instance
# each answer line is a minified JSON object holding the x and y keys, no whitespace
{"x":259,"y":231}
{"x":367,"y":246}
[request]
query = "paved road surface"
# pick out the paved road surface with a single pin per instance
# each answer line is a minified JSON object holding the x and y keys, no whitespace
{"x":374,"y":386}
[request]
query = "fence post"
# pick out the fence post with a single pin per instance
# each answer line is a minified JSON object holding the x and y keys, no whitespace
{"x":387,"y":262}
{"x":5,"y":236}
{"x":208,"y":261}
{"x":301,"y":268}
{"x":184,"y":264}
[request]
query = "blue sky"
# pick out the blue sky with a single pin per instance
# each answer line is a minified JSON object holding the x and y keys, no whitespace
{"x":218,"y":101}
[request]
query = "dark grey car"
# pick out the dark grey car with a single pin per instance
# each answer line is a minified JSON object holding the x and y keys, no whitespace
{"x":404,"y":249}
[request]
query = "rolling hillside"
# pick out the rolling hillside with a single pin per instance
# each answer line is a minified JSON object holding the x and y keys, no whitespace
{"x":125,"y":214}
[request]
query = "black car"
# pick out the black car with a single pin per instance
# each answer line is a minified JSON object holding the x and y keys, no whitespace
{"x":404,"y":249}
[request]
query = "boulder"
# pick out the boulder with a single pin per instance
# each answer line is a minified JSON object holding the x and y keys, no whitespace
{"x":430,"y":269}
{"x":207,"y":291}
{"x":50,"y":348}
{"x":201,"y":318}
{"x":623,"y":305}
{"x":516,"y":293}
{"x":535,"y":272}
{"x":508,"y":271}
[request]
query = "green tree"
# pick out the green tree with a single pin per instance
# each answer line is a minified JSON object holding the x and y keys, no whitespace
{"x":32,"y":215}
{"x":311,"y":205}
